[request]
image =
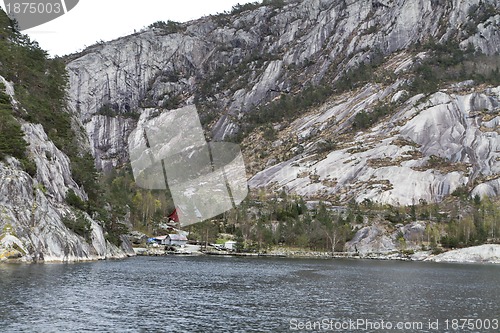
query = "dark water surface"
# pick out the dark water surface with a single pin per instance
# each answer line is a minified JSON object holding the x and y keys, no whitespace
{"x":227,"y":294}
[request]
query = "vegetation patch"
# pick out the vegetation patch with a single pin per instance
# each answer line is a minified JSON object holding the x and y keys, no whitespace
{"x":12,"y":141}
{"x":443,"y":165}
{"x":448,"y":63}
{"x":402,"y":142}
{"x":237,"y":9}
{"x":381,"y":162}
{"x":364,"y":120}
{"x":169,"y":27}
{"x":79,"y":224}
{"x":287,"y":107}
{"x":74,"y":200}
{"x":479,"y":13}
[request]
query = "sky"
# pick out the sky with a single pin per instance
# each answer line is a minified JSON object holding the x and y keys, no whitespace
{"x":95,"y":20}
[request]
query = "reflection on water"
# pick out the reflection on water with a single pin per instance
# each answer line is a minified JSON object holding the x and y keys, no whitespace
{"x":202,"y":294}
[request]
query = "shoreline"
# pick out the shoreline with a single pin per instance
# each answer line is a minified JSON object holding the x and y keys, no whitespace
{"x":485,"y":254}
{"x":481,"y":254}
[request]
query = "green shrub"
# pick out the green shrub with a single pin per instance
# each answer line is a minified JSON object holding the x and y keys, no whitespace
{"x":237,"y":9}
{"x":479,"y":13}
{"x":437,"y":161}
{"x":449,"y":63}
{"x":361,"y":120}
{"x":408,"y":252}
{"x":395,"y":216}
{"x":29,"y":166}
{"x":108,"y":110}
{"x":436,"y":250}
{"x":169,"y":27}
{"x":364,"y":120}
{"x":172,"y":102}
{"x":269,"y":133}
{"x":326,"y":146}
{"x":274,"y":3}
{"x":86,"y":176}
{"x":4,"y":98}
{"x":461,"y":192}
{"x":74,"y":200}
{"x":287,"y":106}
{"x":79,"y":225}
{"x":449,"y":241}
{"x":12,"y":141}
{"x":114,"y":231}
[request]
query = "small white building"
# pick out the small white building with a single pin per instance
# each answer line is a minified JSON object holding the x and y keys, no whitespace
{"x":159,"y":240}
{"x":230,"y":245}
{"x":175,"y":240}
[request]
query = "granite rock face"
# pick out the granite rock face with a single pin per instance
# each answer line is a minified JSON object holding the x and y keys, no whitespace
{"x":31,"y":218}
{"x":424,"y":152}
{"x":32,"y":209}
{"x":232,"y":63}
{"x":383,"y":239}
{"x":488,"y":253}
{"x":371,"y":239}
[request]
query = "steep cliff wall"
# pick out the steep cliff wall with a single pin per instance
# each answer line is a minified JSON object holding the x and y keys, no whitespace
{"x":228,"y":64}
{"x":33,"y":207}
{"x":425,"y":151}
{"x":231,"y":65}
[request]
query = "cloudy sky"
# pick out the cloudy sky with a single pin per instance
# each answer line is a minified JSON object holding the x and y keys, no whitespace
{"x":94,"y":20}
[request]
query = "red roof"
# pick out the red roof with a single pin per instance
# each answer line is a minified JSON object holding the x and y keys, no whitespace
{"x":174,"y":216}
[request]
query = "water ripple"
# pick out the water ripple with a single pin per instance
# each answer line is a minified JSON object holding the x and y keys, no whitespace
{"x":200,"y":294}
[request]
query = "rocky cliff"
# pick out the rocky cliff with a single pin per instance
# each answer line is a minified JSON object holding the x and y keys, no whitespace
{"x":33,"y":208}
{"x":424,"y":152}
{"x":231,"y":65}
{"x":37,"y":223}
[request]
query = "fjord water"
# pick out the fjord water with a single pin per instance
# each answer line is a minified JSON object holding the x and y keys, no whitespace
{"x":228,"y":294}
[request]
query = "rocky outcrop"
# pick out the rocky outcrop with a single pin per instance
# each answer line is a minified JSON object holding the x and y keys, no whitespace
{"x":126,"y":246}
{"x":31,"y":222}
{"x":11,"y":247}
{"x":31,"y":218}
{"x":378,"y":242}
{"x":425,"y":151}
{"x":488,"y":253}
{"x":32,"y":209}
{"x":371,"y":239}
{"x":383,"y":239}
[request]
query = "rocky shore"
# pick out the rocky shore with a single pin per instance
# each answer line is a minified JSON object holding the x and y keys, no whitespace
{"x":488,"y":253}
